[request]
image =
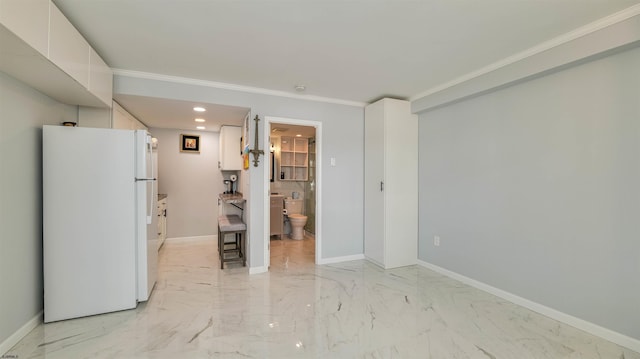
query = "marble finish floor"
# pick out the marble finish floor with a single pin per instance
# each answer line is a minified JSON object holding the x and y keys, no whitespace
{"x":299,"y":310}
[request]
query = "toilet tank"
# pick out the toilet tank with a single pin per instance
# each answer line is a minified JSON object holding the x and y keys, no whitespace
{"x":293,"y":206}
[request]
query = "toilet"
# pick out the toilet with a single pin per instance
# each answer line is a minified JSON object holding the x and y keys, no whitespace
{"x":296,"y":218}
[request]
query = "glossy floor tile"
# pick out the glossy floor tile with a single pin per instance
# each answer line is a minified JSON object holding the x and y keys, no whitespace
{"x":299,"y":310}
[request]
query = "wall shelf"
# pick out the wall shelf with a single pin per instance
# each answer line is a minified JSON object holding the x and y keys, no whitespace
{"x":294,"y":159}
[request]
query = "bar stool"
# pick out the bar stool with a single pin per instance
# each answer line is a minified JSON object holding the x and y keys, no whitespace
{"x":231,"y":224}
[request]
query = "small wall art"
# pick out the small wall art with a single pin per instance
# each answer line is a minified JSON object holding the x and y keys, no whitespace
{"x":190,"y":143}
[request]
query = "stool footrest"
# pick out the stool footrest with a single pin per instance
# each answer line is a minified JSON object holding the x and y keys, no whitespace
{"x":227,"y":225}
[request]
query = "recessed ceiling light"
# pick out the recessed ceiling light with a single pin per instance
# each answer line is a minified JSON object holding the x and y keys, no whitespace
{"x":199,"y":109}
{"x":200,"y":127}
{"x":298,"y":135}
{"x":300,"y":88}
{"x":199,"y":119}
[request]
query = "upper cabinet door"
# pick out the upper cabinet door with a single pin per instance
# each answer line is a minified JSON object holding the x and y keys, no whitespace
{"x":230,"y":148}
{"x":100,"y":78}
{"x":28,"y":20}
{"x":67,"y":48}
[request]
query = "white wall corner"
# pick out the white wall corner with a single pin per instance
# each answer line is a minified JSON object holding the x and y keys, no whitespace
{"x":210,"y":237}
{"x":258,"y":270}
{"x":6,"y":345}
{"x":332,"y":260}
{"x":617,"y":32}
{"x":608,"y":334}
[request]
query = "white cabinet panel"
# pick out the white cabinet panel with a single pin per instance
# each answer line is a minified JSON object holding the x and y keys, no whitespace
{"x":115,"y":117}
{"x":373,"y":189}
{"x":391,"y":183}
{"x":162,"y":221}
{"x":100,"y":78}
{"x":29,"y":20}
{"x":67,"y":48}
{"x":41,"y":48}
{"x":122,"y":119}
{"x":230,"y":148}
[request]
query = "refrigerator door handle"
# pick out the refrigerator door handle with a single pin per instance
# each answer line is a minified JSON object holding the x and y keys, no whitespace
{"x":150,"y":158}
{"x":145,"y":179}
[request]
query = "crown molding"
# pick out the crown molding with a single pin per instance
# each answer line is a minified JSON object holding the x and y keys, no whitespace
{"x":232,"y":87}
{"x":555,"y":43}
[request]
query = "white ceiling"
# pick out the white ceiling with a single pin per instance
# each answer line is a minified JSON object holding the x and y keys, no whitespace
{"x":167,"y":113}
{"x":355,"y":50}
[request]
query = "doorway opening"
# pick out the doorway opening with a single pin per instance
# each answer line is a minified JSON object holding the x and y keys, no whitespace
{"x":292,"y":183}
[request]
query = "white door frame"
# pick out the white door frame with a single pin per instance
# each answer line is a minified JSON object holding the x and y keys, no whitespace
{"x":266,"y":180}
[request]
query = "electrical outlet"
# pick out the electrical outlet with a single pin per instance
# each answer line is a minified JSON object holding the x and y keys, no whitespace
{"x":436,"y":240}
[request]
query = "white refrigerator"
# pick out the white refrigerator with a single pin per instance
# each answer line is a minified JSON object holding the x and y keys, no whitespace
{"x":100,"y":243}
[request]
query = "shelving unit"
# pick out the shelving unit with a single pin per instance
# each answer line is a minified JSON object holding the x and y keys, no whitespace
{"x":294,"y":158}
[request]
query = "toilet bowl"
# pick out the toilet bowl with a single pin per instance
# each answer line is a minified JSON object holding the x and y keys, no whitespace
{"x":297,"y":219}
{"x":297,"y":225}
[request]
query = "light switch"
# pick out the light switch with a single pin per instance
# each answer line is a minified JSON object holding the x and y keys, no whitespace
{"x":333,"y":161}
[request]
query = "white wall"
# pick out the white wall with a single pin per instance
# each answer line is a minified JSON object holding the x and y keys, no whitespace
{"x":23,"y":111}
{"x":534,"y":189}
{"x":191,"y":181}
{"x":343,"y":128}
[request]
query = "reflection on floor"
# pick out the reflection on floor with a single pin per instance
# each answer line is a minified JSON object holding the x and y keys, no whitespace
{"x":299,"y":310}
{"x":289,"y":254}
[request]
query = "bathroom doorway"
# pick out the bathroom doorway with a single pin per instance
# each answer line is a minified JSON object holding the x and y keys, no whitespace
{"x":292,"y":179}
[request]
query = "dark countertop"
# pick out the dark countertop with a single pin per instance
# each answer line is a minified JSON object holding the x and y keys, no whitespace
{"x":232,"y":197}
{"x":161,"y":196}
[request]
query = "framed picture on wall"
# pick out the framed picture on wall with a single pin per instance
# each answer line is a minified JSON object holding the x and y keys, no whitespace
{"x":189,"y":143}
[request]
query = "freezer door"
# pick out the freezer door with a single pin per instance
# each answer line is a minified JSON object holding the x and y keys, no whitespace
{"x":89,"y":228}
{"x":147,"y":219}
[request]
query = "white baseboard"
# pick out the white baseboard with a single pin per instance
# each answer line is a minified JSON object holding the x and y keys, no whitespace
{"x":258,"y":270}
{"x":6,"y":345}
{"x":211,"y":237}
{"x":332,"y":260}
{"x":608,"y":334}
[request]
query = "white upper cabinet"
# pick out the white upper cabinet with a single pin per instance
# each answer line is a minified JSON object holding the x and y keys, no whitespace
{"x":67,"y":48}
{"x":115,"y":117}
{"x":41,"y":48}
{"x":28,"y":20}
{"x":100,"y":78}
{"x":122,"y":119}
{"x":230,"y":148}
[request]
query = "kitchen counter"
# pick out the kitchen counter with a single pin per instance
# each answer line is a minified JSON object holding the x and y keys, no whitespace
{"x":232,"y":197}
{"x":161,"y":196}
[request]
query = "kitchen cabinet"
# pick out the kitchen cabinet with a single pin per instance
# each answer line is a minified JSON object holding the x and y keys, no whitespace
{"x":122,"y":119}
{"x":230,"y":154}
{"x":29,"y":21}
{"x":41,"y":48}
{"x":162,"y":219}
{"x":67,"y":48}
{"x":100,"y":78}
{"x":294,"y":158}
{"x":391,"y":184}
{"x":115,"y":117}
